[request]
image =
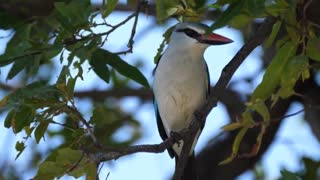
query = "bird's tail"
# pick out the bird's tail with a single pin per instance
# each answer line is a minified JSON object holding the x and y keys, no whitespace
{"x":190,"y":171}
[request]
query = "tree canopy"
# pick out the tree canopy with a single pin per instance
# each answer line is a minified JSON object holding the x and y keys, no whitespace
{"x":73,"y":34}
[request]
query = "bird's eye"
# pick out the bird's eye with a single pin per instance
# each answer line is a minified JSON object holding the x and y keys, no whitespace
{"x":189,"y":32}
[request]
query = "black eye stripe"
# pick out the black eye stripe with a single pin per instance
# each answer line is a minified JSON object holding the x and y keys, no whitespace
{"x":189,"y":32}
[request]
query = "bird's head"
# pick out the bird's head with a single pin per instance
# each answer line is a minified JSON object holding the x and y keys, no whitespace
{"x":195,"y":35}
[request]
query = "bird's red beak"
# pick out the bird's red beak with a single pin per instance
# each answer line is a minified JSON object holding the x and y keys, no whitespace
{"x":214,"y":39}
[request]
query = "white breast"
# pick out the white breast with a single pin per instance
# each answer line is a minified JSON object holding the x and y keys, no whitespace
{"x":180,"y":87}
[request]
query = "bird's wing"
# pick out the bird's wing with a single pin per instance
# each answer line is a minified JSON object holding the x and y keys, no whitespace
{"x":161,"y":129}
{"x":208,"y":80}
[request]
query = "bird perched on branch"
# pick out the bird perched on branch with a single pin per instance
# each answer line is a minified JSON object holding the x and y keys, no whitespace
{"x":181,"y":84}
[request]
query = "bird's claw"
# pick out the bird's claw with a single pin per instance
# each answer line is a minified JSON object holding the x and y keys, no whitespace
{"x":176,"y":136}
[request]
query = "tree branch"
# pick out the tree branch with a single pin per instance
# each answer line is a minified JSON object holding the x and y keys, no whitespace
{"x":226,"y":75}
{"x":106,"y":153}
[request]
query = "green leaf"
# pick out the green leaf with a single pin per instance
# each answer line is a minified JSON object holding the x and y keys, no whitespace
{"x":23,"y":117}
{"x":8,"y":21}
{"x":232,"y":11}
{"x":70,"y":87}
{"x":287,"y":175}
{"x":262,"y":109}
{"x":166,"y":39}
{"x":273,"y":73}
{"x":34,"y":91}
{"x":291,"y":22}
{"x":235,"y":146}
{"x":17,"y":67}
{"x":49,"y":170}
{"x":67,"y":14}
{"x":113,"y":60}
{"x":293,"y":70}
{"x":246,"y":121}
{"x":85,"y":167}
{"x":103,"y":116}
{"x":17,"y":46}
{"x":40,"y":130}
{"x":67,"y":157}
{"x":99,"y":67}
{"x":19,"y":147}
{"x":232,"y":126}
{"x":277,"y":8}
{"x":256,"y":7}
{"x":273,"y":35}
{"x":111,"y":4}
{"x":64,"y":161}
{"x":162,"y":7}
{"x":63,"y":75}
{"x":240,"y":21}
{"x":311,"y":168}
{"x":313,"y":49}
{"x":9,"y":119}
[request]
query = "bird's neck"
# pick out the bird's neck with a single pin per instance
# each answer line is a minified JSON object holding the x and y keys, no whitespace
{"x":193,"y":52}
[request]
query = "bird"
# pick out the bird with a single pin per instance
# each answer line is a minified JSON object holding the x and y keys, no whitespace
{"x":181,"y":84}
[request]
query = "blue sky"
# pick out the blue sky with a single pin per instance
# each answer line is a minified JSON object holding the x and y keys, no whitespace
{"x":293,"y":140}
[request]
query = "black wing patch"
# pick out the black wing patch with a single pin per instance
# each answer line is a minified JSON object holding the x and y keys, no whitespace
{"x":208,"y":78}
{"x":161,"y":129}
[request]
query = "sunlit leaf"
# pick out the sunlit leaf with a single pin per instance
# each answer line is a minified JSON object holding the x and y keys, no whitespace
{"x":162,"y":7}
{"x":235,"y":146}
{"x":260,"y":107}
{"x":277,"y":8}
{"x":240,"y":21}
{"x":273,"y":35}
{"x":273,"y":73}
{"x":49,"y":170}
{"x":232,"y":126}
{"x":246,"y":122}
{"x":232,"y":11}
{"x":293,"y":71}
{"x":256,"y":7}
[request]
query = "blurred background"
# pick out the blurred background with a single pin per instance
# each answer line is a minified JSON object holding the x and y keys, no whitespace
{"x":290,"y":144}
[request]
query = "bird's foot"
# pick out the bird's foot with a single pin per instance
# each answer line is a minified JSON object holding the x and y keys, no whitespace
{"x":176,"y":137}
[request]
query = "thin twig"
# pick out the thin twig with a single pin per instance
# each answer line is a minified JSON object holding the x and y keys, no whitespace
{"x":75,"y":164}
{"x":274,"y":120}
{"x":134,"y":27}
{"x":83,"y":120}
{"x":106,"y":153}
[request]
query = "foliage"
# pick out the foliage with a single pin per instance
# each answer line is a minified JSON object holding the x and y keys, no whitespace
{"x":32,"y":109}
{"x":67,"y":37}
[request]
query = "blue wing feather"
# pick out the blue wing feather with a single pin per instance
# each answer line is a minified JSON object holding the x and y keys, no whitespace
{"x":161,"y":129}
